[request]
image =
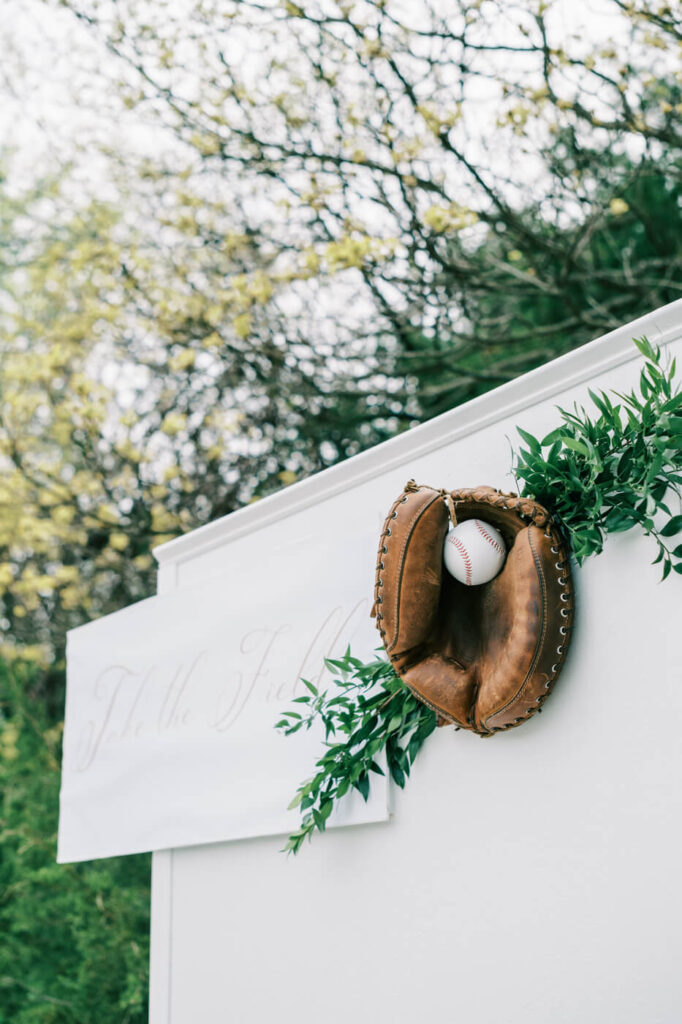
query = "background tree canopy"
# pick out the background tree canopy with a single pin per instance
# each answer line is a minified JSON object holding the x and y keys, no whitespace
{"x":271,"y":235}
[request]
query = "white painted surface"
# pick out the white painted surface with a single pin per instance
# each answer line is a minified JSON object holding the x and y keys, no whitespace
{"x":531,"y":877}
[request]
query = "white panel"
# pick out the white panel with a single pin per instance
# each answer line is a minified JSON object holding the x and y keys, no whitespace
{"x":160,"y":968}
{"x":530,"y":877}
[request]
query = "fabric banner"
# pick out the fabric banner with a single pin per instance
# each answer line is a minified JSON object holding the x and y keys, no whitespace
{"x":171,"y":704}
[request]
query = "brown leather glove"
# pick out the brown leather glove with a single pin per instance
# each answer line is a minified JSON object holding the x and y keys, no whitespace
{"x":486,"y":657}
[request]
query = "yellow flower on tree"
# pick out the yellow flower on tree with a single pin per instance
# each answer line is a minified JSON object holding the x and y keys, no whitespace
{"x":173,"y":423}
{"x":450,"y":218}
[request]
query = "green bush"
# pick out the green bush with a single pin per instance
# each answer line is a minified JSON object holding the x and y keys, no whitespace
{"x":75,"y":937}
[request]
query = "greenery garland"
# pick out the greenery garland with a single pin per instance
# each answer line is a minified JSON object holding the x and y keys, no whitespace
{"x":597,"y":475}
{"x":368,"y":711}
{"x":616,"y":471}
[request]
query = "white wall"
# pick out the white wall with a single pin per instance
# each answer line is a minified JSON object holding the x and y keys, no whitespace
{"x":529,"y":877}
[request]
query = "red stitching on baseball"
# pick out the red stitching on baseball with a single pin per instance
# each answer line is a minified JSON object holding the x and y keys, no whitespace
{"x":464,"y":553}
{"x":487,"y":536}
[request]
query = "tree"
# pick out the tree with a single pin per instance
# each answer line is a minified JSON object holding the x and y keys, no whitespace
{"x":485,"y":172}
{"x":75,"y":938}
{"x":146,"y":390}
{"x":342,"y":218}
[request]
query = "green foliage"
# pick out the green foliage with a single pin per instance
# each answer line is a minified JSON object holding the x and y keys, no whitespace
{"x":575,"y":278}
{"x":368,"y":712}
{"x":75,"y":945}
{"x":608,"y":473}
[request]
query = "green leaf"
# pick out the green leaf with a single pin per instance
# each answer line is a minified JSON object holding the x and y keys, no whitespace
{"x":659,"y":556}
{"x":362,"y":785}
{"x":319,"y":820}
{"x":531,"y":441}
{"x":576,"y":446}
{"x":326,"y":808}
{"x":397,"y":774}
{"x":672,"y":527}
{"x":554,"y":435}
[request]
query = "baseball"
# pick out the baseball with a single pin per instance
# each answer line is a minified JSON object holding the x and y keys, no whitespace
{"x":474,"y":552}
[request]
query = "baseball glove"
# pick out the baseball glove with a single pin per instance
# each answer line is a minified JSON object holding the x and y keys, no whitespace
{"x":486,"y":657}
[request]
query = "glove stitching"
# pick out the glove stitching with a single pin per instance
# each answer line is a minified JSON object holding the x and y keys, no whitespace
{"x":491,"y":540}
{"x":465,"y":557}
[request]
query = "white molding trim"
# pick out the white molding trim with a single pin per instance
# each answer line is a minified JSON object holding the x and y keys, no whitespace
{"x":161,"y":923}
{"x":611,"y":350}
{"x":160,"y":953}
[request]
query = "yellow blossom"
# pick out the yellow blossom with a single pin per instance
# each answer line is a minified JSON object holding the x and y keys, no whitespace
{"x":9,"y":736}
{"x":173,"y":423}
{"x":128,"y":451}
{"x":355,"y":250}
{"x":118,"y":541}
{"x":618,"y":207}
{"x":71,"y":597}
{"x":182,"y":360}
{"x":143,"y":561}
{"x":39,"y":654}
{"x":107,"y":514}
{"x":66,"y":574}
{"x":439,"y":121}
{"x":259,"y":288}
{"x":452,"y":217}
{"x":311,"y":261}
{"x":213,"y":315}
{"x":212,"y":340}
{"x":162,"y":519}
{"x":242,"y":325}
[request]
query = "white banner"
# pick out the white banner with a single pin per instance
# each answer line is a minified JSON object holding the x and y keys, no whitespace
{"x":171,"y":703}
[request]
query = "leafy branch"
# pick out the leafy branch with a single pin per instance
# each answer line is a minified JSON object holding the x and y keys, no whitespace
{"x":620,"y":469}
{"x":369,"y":711}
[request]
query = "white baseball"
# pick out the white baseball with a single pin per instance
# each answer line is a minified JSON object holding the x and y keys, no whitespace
{"x":474,"y":552}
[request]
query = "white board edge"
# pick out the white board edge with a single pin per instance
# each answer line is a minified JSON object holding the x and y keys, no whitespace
{"x":605,"y":353}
